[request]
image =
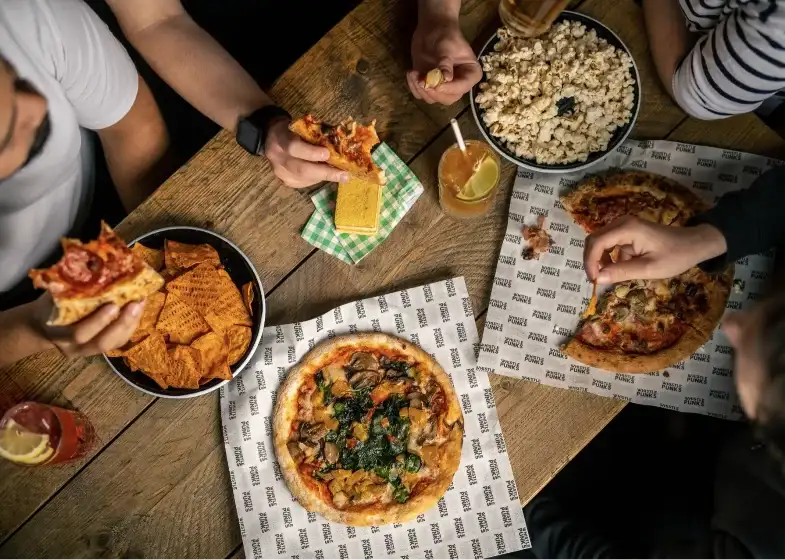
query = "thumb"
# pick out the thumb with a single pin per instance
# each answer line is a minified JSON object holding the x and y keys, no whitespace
{"x":446,"y":66}
{"x":634,"y":269}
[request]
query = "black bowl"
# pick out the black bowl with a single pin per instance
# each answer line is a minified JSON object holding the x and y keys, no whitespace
{"x":239,"y":268}
{"x":619,"y":136}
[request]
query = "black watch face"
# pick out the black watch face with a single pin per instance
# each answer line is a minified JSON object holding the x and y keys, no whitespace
{"x":249,"y":137}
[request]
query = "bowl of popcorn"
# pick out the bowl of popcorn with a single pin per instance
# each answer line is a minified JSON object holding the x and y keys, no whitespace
{"x":559,"y":102}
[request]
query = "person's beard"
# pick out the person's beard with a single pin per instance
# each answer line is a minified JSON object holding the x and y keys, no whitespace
{"x":44,"y":129}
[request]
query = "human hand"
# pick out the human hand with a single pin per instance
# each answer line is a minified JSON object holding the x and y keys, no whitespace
{"x":439,"y":43}
{"x":648,"y":250}
{"x":296,"y":162}
{"x":108,"y":328}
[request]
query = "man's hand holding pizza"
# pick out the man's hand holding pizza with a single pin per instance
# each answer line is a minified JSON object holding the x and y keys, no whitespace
{"x":296,"y":162}
{"x":648,"y":250}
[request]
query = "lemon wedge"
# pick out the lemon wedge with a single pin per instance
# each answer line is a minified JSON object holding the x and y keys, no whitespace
{"x":21,"y":446}
{"x":481,"y":182}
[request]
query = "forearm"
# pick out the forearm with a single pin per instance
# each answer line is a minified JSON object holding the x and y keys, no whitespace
{"x":669,"y":39}
{"x":136,"y":150}
{"x":18,"y":336}
{"x":199,"y":69}
{"x":750,"y":220}
{"x":438,"y":10}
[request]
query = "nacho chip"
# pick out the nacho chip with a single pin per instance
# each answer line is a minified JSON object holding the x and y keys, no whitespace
{"x":150,"y":357}
{"x":152,"y":309}
{"x":248,"y":295}
{"x":230,"y":306}
{"x":180,"y":256}
{"x":185,"y":368}
{"x":199,"y":288}
{"x":213,"y":350}
{"x":120,"y":352}
{"x":220,"y":371}
{"x":153,"y":257}
{"x":180,"y":321}
{"x":239,"y":339}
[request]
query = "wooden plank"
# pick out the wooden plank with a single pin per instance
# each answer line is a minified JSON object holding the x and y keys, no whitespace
{"x":746,"y":133}
{"x":658,"y":114}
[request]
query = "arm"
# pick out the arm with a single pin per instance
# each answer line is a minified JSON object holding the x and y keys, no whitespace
{"x":207,"y":76}
{"x":669,"y":39}
{"x":742,"y":223}
{"x":135,"y":148}
{"x":19,"y":337}
{"x":179,"y":50}
{"x":750,"y":220}
{"x":731,"y":69}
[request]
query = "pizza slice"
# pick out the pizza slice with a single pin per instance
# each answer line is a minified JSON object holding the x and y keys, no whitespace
{"x":93,"y":274}
{"x":602,"y":199}
{"x":349,"y":144}
{"x":640,"y":326}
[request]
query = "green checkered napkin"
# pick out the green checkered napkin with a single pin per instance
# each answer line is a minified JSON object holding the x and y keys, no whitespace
{"x":398,"y":196}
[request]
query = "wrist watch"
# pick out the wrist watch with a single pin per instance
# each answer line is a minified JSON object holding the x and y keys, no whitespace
{"x":252,"y":130}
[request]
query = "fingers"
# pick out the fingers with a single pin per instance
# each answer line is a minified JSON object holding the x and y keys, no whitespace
{"x":417,"y":87}
{"x":619,"y":232}
{"x":301,"y":149}
{"x":298,"y":173}
{"x":88,"y":328}
{"x":459,"y":79}
{"x":466,"y":76}
{"x":120,"y":330}
{"x":445,"y":66}
{"x":638,"y":269}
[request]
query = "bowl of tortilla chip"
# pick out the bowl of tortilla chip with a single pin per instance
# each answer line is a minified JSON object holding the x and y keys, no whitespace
{"x":203,"y":326}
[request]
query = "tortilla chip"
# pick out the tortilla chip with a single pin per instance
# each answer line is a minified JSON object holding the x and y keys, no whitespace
{"x":213,"y":350}
{"x":153,"y":257}
{"x":248,"y":295}
{"x":221,"y":371}
{"x":230,"y":307}
{"x":152,"y":310}
{"x":179,"y":256}
{"x":239,"y":339}
{"x":150,"y":357}
{"x":180,"y":321}
{"x":199,"y":288}
{"x":185,"y":368}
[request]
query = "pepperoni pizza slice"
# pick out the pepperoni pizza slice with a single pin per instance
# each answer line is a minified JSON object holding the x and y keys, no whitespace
{"x":93,"y":274}
{"x":349,"y":144}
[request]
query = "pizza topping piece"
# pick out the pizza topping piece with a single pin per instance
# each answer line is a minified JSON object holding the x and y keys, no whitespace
{"x":539,"y":239}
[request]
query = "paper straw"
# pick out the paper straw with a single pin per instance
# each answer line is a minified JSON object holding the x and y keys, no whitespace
{"x":458,"y":135}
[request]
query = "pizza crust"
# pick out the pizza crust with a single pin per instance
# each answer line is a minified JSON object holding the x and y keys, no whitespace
{"x":70,"y":310}
{"x":285,"y":413}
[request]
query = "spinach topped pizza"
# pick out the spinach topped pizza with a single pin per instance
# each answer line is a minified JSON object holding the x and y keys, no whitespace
{"x":368,"y":430}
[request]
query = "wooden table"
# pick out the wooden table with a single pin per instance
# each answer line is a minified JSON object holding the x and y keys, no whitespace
{"x":156,"y":483}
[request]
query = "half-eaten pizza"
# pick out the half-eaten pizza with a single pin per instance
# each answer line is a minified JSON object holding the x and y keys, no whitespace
{"x":93,"y":274}
{"x":349,"y":144}
{"x":640,"y":326}
{"x":368,"y":430}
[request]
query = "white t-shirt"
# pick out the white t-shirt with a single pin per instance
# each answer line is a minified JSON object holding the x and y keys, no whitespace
{"x":67,"y":53}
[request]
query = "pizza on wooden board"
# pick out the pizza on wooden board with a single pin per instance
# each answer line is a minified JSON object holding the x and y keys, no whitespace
{"x":349,"y":144}
{"x":93,"y":274}
{"x":368,"y":430}
{"x":640,"y":326}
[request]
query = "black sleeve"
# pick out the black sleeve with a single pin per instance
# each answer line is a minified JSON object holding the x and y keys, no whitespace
{"x":752,"y":220}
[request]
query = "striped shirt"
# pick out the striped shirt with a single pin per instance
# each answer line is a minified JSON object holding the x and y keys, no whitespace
{"x":737,"y":63}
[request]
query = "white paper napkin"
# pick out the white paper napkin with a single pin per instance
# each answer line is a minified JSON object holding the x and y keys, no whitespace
{"x":535,"y":304}
{"x":479,"y":516}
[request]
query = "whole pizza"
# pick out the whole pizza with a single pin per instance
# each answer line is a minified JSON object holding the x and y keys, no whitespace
{"x":644,"y":325}
{"x":368,"y":430}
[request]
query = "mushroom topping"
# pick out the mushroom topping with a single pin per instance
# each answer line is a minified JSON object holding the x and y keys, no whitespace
{"x":330,"y":452}
{"x":334,"y":373}
{"x":364,"y":379}
{"x":363,"y":361}
{"x":620,"y":312}
{"x":415,"y":399}
{"x":312,"y":432}
{"x":295,"y":451}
